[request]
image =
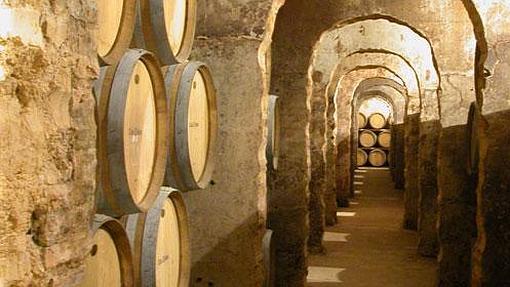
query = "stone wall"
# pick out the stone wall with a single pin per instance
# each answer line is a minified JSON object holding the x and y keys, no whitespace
{"x":228,"y":219}
{"x":491,"y":266}
{"x":47,"y":152}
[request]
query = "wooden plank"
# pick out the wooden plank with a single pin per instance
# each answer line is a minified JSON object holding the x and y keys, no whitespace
{"x":175,"y":22}
{"x":139,"y":131}
{"x":116,"y":23}
{"x":198,"y":124}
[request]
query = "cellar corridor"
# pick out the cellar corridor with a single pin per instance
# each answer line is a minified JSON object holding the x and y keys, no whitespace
{"x":369,"y":247}
{"x":255,"y":143}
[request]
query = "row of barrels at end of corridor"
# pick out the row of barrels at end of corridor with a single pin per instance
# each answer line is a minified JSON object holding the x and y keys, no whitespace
{"x":375,"y":121}
{"x":375,"y":157}
{"x":369,"y":138}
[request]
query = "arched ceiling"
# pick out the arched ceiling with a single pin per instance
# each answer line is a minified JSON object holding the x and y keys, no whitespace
{"x":375,"y":60}
{"x":377,"y":35}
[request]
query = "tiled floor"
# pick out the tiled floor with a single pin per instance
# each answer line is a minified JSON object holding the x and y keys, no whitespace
{"x":369,"y":247}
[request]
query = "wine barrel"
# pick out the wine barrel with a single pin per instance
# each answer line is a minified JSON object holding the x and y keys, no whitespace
{"x":377,"y":121}
{"x":367,"y":138}
{"x":361,"y":157}
{"x":116,"y":22}
{"x":377,"y":157}
{"x":473,"y":139}
{"x":160,"y":242}
{"x":269,"y":249}
{"x":192,"y":108}
{"x":362,"y":121}
{"x":109,"y":262}
{"x":132,"y":134}
{"x":273,"y":138}
{"x":166,"y":27}
{"x":384,"y":138}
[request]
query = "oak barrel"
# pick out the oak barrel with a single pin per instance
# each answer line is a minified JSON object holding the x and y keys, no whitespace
{"x":132,"y":134}
{"x":361,"y":157}
{"x":109,"y":262}
{"x":362,"y":121}
{"x":377,"y":157}
{"x":273,"y":138}
{"x":384,"y":138}
{"x":269,"y":249}
{"x":473,"y":139}
{"x":116,"y":23}
{"x":377,"y":121}
{"x":166,"y":27}
{"x":160,"y":242}
{"x":367,"y":138}
{"x":193,"y":124}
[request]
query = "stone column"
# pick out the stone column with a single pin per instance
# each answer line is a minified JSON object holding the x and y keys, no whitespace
{"x":399,"y":156}
{"x":411,"y":194}
{"x":317,"y":185}
{"x":427,"y":180}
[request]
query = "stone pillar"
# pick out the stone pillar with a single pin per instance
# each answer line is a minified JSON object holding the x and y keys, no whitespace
{"x":456,"y":209}
{"x":330,"y":154}
{"x":427,"y":180}
{"x":491,"y":266}
{"x":411,"y":194}
{"x":399,"y":156}
{"x":288,"y":213}
{"x":317,"y":185}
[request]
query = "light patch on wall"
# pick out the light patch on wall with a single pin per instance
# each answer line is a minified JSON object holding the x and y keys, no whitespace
{"x":345,"y":214}
{"x":22,"y":22}
{"x":376,"y":105}
{"x":2,"y":69}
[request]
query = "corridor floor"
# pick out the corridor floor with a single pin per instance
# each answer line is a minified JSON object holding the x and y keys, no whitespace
{"x":368,"y":247}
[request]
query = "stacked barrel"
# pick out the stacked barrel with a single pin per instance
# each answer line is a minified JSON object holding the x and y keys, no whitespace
{"x":156,"y":115}
{"x":374,"y":140}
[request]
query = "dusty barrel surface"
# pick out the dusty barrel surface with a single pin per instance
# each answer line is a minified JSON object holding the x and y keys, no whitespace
{"x":473,"y":138}
{"x":361,"y":157}
{"x":377,"y":157}
{"x":160,"y":242}
{"x":166,"y":27}
{"x":377,"y":121}
{"x":116,"y":23}
{"x":132,"y":134}
{"x":109,"y":262}
{"x":273,"y":138}
{"x":367,"y":138}
{"x":362,"y":121}
{"x":191,"y":98}
{"x":384,"y":138}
